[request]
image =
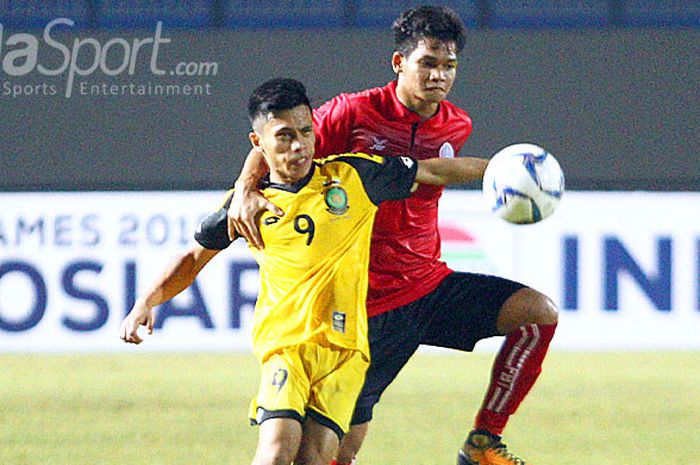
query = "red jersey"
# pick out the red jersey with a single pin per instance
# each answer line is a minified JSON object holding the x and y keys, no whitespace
{"x":405,"y":250}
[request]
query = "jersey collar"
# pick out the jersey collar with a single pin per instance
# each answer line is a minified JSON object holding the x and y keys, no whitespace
{"x":293,"y":188}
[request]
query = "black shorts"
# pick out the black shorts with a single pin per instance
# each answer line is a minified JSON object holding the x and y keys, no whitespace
{"x":461,"y":311}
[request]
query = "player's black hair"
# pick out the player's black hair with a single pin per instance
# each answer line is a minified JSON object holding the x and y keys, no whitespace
{"x":276,"y":95}
{"x":420,"y":22}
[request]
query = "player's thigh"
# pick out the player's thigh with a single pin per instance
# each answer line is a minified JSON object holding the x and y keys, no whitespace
{"x":335,"y":386}
{"x":279,"y":440}
{"x":284,"y":387}
{"x":394,"y":337}
{"x":318,"y":445}
{"x":467,"y":306}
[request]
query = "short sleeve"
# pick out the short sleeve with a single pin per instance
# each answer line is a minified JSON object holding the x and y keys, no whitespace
{"x":333,"y":126}
{"x":384,"y":178}
{"x":212,"y":233}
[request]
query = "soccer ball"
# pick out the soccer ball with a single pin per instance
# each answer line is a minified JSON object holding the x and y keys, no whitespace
{"x":523,"y":183}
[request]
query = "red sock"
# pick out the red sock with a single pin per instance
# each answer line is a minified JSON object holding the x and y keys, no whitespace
{"x":515,"y":371}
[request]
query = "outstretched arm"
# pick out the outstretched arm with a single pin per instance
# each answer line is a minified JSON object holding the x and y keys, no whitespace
{"x":248,"y":203}
{"x":177,"y":277}
{"x":441,"y":171}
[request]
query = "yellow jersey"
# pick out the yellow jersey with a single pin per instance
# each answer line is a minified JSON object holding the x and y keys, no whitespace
{"x":314,"y":267}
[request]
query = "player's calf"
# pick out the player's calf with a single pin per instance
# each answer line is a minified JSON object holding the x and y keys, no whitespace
{"x":529,"y":320}
{"x":515,"y":370}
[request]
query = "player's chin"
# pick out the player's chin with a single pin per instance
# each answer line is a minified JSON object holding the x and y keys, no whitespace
{"x":300,"y":166}
{"x":434,"y":95}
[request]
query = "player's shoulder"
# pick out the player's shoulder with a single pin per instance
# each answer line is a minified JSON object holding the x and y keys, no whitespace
{"x":365,"y":165}
{"x":226,"y":201}
{"x":355,"y":163}
{"x":454,"y":113}
{"x":360,"y":99}
{"x":352,"y":160}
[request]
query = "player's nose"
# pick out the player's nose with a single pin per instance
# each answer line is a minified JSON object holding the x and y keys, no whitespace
{"x":438,"y":74}
{"x":297,"y":145}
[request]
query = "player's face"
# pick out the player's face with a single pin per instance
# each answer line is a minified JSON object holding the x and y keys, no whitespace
{"x":427,"y":74}
{"x":287,"y":142}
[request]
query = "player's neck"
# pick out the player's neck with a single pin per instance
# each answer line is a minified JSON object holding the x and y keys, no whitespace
{"x":421,"y":107}
{"x":288,"y":180}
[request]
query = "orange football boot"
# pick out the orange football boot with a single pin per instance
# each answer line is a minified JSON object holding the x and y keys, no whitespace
{"x":484,"y":448}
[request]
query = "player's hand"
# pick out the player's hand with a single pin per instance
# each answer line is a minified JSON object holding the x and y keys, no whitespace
{"x":246,"y":207}
{"x":140,"y":315}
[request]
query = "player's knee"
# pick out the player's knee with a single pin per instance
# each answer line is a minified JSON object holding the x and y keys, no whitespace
{"x":527,"y":306}
{"x":273,"y":454}
{"x":309,"y":457}
{"x":316,"y":454}
{"x":545,"y":311}
{"x":551,"y":313}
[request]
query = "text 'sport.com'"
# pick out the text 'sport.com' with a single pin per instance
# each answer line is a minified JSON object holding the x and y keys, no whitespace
{"x":88,"y":56}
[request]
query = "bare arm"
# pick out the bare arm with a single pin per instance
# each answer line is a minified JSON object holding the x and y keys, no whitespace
{"x":441,"y":171}
{"x":177,"y":277}
{"x":247,"y":203}
{"x":254,"y":168}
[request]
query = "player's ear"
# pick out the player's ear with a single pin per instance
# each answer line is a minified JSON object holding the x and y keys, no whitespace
{"x":397,"y":62}
{"x":254,"y":139}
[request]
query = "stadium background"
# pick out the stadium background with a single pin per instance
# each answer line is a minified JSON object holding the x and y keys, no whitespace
{"x":609,"y":86}
{"x":97,"y":192}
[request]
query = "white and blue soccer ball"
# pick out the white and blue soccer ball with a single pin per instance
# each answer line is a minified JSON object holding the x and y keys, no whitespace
{"x":523,"y":183}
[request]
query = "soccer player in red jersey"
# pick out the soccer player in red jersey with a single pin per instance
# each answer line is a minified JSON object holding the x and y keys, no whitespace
{"x":414,"y":298}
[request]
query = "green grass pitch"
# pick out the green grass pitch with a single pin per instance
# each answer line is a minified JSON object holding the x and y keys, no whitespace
{"x":152,"y":409}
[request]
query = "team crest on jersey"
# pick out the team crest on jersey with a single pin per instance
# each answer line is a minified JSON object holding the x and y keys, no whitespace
{"x":447,"y":151}
{"x":337,"y":200}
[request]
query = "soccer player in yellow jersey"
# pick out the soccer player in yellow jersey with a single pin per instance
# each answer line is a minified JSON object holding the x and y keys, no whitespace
{"x":310,"y":323}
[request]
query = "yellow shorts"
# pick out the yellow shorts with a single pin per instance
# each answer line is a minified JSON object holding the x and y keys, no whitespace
{"x":310,"y":380}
